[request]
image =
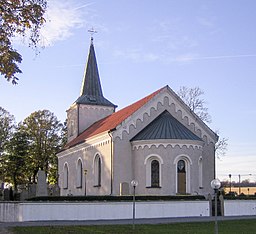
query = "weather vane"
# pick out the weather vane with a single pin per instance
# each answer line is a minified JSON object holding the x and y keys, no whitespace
{"x":92,"y":31}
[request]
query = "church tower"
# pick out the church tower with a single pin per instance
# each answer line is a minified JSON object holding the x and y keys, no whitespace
{"x":91,"y":105}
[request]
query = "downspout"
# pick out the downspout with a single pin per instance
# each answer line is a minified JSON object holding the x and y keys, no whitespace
{"x":111,"y":167}
{"x":215,"y":162}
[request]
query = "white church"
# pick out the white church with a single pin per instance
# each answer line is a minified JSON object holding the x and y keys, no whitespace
{"x":157,"y":141}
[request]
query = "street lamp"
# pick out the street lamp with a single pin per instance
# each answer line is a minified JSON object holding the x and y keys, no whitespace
{"x":230,"y":182}
{"x":85,"y":173}
{"x":215,"y":184}
{"x":134,"y":184}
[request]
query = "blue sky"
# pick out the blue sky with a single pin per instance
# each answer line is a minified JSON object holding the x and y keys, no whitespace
{"x":142,"y":46}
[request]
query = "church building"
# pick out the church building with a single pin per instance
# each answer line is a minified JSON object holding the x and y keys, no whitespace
{"x":157,"y":141}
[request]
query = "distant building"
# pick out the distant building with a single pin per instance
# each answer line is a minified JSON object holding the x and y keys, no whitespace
{"x":157,"y":140}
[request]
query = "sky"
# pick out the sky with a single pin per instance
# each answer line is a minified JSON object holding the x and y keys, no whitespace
{"x":142,"y":46}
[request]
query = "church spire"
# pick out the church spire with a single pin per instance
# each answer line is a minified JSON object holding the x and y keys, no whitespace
{"x":91,"y":91}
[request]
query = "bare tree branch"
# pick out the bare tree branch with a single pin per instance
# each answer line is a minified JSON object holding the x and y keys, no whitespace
{"x":193,"y":98}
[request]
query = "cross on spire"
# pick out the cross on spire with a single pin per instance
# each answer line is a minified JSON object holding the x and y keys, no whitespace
{"x":92,"y":31}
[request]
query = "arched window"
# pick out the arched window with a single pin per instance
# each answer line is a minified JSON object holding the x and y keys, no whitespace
{"x":65,"y":176}
{"x":154,"y":173}
{"x":79,"y":175}
{"x":72,"y":128}
{"x":97,"y":170}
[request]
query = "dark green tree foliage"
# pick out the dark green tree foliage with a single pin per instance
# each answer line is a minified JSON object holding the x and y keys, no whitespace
{"x":7,"y":123}
{"x":13,"y":162}
{"x":45,"y":140}
{"x":18,"y":17}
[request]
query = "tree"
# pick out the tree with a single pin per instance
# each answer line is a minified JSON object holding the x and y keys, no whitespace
{"x":13,"y":163}
{"x":193,"y":99}
{"x":44,"y":132}
{"x":23,"y":18}
{"x":221,"y":146}
{"x":7,"y":123}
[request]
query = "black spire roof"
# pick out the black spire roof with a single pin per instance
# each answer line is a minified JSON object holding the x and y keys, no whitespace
{"x":165,"y":126}
{"x":91,"y":91}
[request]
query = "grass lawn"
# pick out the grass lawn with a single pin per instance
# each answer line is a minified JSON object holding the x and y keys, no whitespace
{"x":227,"y":227}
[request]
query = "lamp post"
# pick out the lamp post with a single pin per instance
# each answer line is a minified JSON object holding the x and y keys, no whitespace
{"x":239,"y":177}
{"x":215,"y":184}
{"x":85,"y":172}
{"x":134,"y":184}
{"x":230,"y":182}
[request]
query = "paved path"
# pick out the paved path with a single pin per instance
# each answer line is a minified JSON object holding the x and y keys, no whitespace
{"x":3,"y":225}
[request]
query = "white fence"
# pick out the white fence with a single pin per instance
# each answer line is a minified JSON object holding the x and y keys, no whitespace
{"x":239,"y":207}
{"x":36,"y":211}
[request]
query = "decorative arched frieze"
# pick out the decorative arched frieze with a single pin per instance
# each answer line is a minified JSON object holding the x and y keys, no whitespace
{"x":199,"y":132}
{"x":157,"y":103}
{"x":179,"y":114}
{"x":205,"y":138}
{"x":166,"y":101}
{"x":95,"y":107}
{"x":155,"y":143}
{"x":172,"y":108}
{"x":192,"y":127}
{"x":185,"y":120}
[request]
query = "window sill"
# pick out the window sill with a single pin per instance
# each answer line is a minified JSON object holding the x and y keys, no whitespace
{"x":97,"y":186}
{"x":78,"y":187}
{"x":153,"y":187}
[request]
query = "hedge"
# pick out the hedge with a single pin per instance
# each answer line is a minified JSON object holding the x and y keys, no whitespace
{"x":118,"y":198}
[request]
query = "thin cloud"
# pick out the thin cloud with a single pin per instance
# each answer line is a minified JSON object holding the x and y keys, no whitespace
{"x":191,"y":58}
{"x":62,"y":17}
{"x":137,"y":55}
{"x":205,"y":22}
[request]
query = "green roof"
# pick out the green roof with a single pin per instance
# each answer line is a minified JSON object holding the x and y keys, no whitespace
{"x":165,"y":126}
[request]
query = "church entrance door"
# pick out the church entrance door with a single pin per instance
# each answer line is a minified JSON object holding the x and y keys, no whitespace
{"x":181,"y":171}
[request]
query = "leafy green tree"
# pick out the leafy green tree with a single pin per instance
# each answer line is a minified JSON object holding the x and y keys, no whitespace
{"x":23,"y":18}
{"x":45,"y":133}
{"x":7,"y":123}
{"x":14,"y":160}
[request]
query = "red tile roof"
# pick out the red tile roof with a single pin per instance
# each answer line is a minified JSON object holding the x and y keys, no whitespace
{"x":110,"y":122}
